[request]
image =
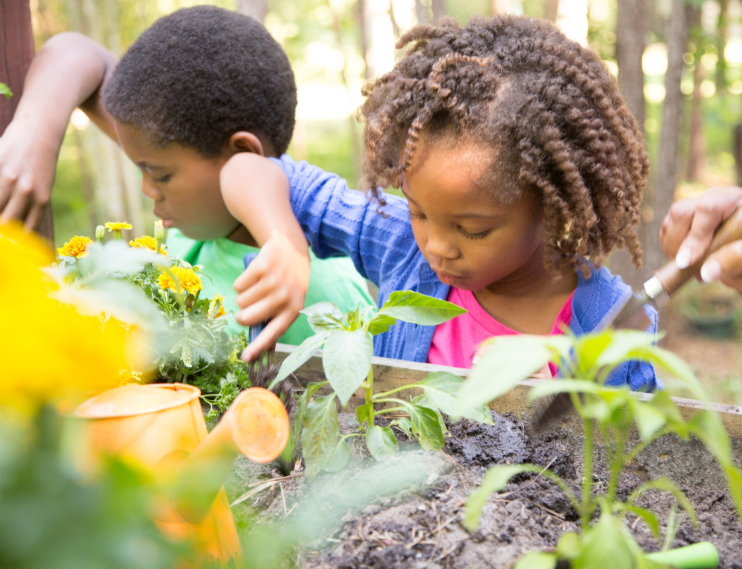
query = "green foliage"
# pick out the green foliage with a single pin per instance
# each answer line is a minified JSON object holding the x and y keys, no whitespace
{"x":184,"y":334}
{"x":348,"y":349}
{"x":54,"y":516}
{"x":5,"y":90}
{"x":585,"y":364}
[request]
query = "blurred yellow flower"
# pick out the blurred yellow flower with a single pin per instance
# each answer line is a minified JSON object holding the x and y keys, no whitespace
{"x":216,"y":308}
{"x":117,"y":226}
{"x":147,"y":242}
{"x":75,"y":247}
{"x":189,"y":280}
{"x":50,"y":352}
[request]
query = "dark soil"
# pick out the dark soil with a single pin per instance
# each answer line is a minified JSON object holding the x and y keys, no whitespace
{"x":405,"y":512}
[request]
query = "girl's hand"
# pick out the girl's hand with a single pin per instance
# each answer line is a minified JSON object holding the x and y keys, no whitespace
{"x":272,"y":287}
{"x":688,"y":228}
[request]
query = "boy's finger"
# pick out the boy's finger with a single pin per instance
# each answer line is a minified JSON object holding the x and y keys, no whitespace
{"x":248,"y":278}
{"x":267,"y":339}
{"x":724,"y":265}
{"x":712,"y":208}
{"x":265,"y":308}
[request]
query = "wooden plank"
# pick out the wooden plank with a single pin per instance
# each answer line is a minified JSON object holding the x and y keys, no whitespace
{"x":16,"y":52}
{"x":390,"y":374}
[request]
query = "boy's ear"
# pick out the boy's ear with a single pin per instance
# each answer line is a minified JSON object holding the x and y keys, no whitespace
{"x":244,"y":141}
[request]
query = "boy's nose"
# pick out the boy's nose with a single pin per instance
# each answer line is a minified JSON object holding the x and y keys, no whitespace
{"x":149,"y":189}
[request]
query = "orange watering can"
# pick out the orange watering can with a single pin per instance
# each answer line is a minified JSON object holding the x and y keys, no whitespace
{"x":161,"y":427}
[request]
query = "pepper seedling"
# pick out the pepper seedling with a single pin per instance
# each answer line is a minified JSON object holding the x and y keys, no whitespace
{"x":348,"y":350}
{"x":585,"y":364}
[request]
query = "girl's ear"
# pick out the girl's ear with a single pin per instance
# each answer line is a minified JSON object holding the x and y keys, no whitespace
{"x":244,"y":141}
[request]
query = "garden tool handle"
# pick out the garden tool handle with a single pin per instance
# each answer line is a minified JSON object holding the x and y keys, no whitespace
{"x":255,"y":330}
{"x":672,"y":278}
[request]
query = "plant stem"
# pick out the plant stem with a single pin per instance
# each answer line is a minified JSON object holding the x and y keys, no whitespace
{"x":391,"y":391}
{"x":587,"y":484}
{"x":370,"y":396}
{"x":400,"y":408}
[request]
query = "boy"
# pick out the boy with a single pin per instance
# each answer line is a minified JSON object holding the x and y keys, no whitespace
{"x":196,"y":88}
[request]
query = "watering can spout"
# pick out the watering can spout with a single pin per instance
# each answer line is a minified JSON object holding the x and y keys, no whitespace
{"x":256,"y":425}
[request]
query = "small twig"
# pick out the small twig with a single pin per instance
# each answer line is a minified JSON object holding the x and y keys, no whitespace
{"x":291,"y":509}
{"x":283,"y":497}
{"x":263,"y":485}
{"x":547,"y":510}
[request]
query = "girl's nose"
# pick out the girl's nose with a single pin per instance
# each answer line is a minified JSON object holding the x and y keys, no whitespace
{"x":439,"y":246}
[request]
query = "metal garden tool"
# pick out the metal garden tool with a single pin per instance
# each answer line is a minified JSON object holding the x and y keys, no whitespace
{"x":630,"y":313}
{"x":161,"y":427}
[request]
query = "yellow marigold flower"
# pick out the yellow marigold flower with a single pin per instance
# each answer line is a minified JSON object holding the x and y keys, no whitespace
{"x":147,"y":242}
{"x":75,"y":247}
{"x":218,"y":301}
{"x":80,"y":357}
{"x":189,"y":280}
{"x":117,"y":226}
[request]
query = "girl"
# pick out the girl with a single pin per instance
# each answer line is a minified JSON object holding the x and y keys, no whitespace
{"x":522,"y":170}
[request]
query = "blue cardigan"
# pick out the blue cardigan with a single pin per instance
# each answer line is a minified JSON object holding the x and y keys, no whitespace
{"x":342,"y":222}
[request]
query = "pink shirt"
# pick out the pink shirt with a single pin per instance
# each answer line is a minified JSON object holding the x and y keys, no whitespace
{"x":455,"y":342}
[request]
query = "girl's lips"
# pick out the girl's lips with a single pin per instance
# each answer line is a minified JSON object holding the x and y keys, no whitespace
{"x":447,"y":278}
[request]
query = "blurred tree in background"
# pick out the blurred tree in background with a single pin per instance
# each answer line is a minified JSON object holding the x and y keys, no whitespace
{"x":683,"y":56}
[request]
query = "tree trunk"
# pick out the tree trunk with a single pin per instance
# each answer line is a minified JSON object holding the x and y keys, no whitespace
{"x":721,"y":42}
{"x":550,"y":10}
{"x":439,"y":9}
{"x":254,"y":8}
{"x":420,"y":12}
{"x":630,"y":43}
{"x":666,"y":171}
{"x":363,"y":36}
{"x":696,"y":145}
{"x":16,"y":52}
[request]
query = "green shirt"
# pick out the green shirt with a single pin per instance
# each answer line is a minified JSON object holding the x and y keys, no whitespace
{"x":335,"y":280}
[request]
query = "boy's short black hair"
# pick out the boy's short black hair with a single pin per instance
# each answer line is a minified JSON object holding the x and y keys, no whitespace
{"x":201,"y":74}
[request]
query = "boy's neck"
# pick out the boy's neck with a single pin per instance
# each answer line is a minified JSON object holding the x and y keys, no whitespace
{"x":242,"y":235}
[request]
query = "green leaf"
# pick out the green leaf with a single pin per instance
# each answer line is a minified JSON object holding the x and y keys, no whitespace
{"x":666,"y":485}
{"x":649,"y":418}
{"x":325,"y":316}
{"x":604,"y":545}
{"x":569,"y":545}
{"x":537,"y":560}
{"x":648,"y":516}
{"x":339,"y":457}
{"x":5,"y":90}
{"x":672,"y":363}
{"x":404,"y":424}
{"x":299,"y":356}
{"x":509,"y":360}
{"x":380,"y":324}
{"x":365,"y":413}
{"x":320,"y":434}
{"x":441,"y":389}
{"x":381,"y":442}
{"x":419,"y":309}
{"x":563,"y":386}
{"x":347,"y":361}
{"x":303,"y":401}
{"x":425,"y":426}
{"x":622,"y":343}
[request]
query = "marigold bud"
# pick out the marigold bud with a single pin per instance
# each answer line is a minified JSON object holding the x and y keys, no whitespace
{"x":159,"y":230}
{"x":100,"y":231}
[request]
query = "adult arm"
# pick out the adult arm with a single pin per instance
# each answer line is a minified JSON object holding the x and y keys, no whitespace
{"x":67,"y":72}
{"x":689,"y":226}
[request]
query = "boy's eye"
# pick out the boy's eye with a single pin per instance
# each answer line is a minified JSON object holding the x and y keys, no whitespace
{"x":163,"y":179}
{"x":473,"y":236}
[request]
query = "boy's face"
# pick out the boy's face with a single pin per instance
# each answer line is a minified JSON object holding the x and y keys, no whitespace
{"x":183,"y":184}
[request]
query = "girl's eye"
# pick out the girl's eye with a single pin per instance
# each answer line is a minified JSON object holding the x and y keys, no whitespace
{"x":416,"y":216}
{"x":473,"y":236}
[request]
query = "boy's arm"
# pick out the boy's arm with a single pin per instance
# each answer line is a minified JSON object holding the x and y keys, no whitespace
{"x":256,"y":192}
{"x":67,"y":72}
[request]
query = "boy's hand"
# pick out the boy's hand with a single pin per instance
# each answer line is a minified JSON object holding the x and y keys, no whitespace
{"x":689,"y":226}
{"x":273,"y":286}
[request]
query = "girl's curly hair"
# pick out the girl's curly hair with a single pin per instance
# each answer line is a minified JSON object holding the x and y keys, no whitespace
{"x":547,"y":106}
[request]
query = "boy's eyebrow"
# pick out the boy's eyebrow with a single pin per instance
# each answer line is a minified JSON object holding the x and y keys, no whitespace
{"x":148,"y":166}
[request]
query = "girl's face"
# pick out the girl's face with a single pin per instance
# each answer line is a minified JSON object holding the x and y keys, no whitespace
{"x":470,"y":240}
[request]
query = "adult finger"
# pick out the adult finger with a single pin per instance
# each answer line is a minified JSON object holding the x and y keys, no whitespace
{"x":34,"y":216}
{"x":726,"y":263}
{"x":676,"y":225}
{"x":16,"y":207}
{"x":712,"y":208}
{"x":267,"y":339}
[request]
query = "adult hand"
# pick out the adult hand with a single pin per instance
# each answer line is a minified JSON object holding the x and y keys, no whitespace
{"x":688,"y":228}
{"x":274,"y":287}
{"x":28,"y":159}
